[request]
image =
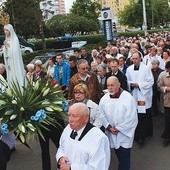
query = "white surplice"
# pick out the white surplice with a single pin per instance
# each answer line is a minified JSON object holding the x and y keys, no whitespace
{"x":95,"y":115}
{"x":92,"y":152}
{"x":145,"y":80}
{"x":148,"y":60}
{"x":120,"y":113}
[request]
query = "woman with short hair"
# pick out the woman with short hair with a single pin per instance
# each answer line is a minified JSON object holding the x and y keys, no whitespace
{"x":81,"y":94}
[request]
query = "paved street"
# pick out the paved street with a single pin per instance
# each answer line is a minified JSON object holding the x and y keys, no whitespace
{"x":153,"y":156}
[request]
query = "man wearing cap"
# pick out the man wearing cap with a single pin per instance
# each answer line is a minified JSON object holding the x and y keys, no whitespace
{"x":82,"y":146}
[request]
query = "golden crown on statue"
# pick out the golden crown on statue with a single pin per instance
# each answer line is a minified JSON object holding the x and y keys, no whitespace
{"x":4,"y":18}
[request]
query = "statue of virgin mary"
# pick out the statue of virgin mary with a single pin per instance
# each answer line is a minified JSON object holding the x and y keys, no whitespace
{"x":12,"y":57}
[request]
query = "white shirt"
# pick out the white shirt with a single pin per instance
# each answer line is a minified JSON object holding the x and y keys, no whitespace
{"x":92,"y":152}
{"x":148,"y":59}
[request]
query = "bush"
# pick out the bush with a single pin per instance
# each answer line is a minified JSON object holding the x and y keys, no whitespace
{"x":92,"y":39}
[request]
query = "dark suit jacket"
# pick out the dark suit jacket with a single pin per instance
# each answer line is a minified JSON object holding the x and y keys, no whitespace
{"x":92,"y":84}
{"x":121,"y":77}
{"x":41,"y":75}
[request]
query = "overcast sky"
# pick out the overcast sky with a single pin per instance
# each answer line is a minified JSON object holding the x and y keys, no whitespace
{"x":68,"y":4}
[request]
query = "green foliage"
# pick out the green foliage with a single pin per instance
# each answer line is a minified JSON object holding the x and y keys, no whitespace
{"x":92,"y":38}
{"x":157,"y":11}
{"x":70,"y":23}
{"x":87,"y":9}
{"x":25,"y":16}
{"x":19,"y":106}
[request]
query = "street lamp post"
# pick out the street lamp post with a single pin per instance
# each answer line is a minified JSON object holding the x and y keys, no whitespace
{"x":152,"y":14}
{"x":144,"y":18}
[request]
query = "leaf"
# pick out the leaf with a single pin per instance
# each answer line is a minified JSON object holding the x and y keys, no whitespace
{"x":9,"y":112}
{"x":57,"y":108}
{"x":21,"y":136}
{"x":21,"y":127}
{"x":46,"y":92}
{"x":31,"y":127}
{"x":13,"y":117}
{"x":49,"y":109}
{"x":2,"y":102}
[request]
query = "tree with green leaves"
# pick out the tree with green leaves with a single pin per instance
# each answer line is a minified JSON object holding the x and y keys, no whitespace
{"x":70,"y":23}
{"x":25,"y":16}
{"x":157,"y":11}
{"x":88,"y":9}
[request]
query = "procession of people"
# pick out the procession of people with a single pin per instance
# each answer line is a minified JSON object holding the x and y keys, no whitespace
{"x":112,"y":92}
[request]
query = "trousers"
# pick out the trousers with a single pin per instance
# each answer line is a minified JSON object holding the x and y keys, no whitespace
{"x":123,"y":156}
{"x":5,"y":154}
{"x":54,"y":134}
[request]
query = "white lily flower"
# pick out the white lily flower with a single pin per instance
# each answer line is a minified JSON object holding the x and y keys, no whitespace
{"x":14,"y":102}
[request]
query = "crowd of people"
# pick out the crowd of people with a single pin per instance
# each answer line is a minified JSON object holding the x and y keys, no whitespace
{"x":112,"y":91}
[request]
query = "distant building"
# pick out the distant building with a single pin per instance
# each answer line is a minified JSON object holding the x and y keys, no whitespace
{"x":49,"y":7}
{"x":52,"y":7}
{"x":115,"y":5}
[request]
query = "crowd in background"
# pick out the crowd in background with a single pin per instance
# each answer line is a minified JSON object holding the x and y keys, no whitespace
{"x":83,"y":78}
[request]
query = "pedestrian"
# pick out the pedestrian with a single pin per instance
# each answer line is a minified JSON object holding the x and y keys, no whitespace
{"x":84,"y":76}
{"x":140,"y":81}
{"x":30,"y":72}
{"x":62,"y":72}
{"x":73,"y":65}
{"x":164,"y":85}
{"x":120,"y":120}
{"x":114,"y":65}
{"x":82,"y":146}
{"x":81,"y":94}
{"x":156,"y":92}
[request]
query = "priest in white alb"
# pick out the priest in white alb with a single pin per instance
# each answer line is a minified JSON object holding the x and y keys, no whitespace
{"x":120,"y":120}
{"x":140,"y":81}
{"x":82,"y":146}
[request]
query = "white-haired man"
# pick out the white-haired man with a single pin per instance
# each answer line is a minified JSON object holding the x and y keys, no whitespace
{"x":82,"y":146}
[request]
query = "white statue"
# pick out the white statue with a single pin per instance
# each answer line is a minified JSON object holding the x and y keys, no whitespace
{"x":12,"y":57}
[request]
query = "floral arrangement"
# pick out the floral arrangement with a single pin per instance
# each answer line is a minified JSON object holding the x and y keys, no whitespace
{"x":26,"y":110}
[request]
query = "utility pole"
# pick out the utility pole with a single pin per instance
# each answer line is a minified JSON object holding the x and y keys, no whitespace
{"x":152,"y":14}
{"x":144,"y":18}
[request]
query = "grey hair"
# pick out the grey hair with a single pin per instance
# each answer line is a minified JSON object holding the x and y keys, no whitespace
{"x":114,"y":79}
{"x":155,"y":61}
{"x":30,"y":65}
{"x":2,"y":66}
{"x":81,"y":61}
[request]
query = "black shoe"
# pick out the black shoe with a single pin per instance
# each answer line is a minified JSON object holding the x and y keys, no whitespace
{"x":166,"y":142}
{"x":141,"y":142}
{"x":154,"y":114}
{"x":13,"y":149}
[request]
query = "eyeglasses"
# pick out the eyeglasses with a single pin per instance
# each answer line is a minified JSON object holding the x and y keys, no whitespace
{"x":78,"y":92}
{"x":85,"y":68}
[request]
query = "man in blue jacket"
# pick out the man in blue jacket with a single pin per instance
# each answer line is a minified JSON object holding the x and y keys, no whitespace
{"x":62,"y":72}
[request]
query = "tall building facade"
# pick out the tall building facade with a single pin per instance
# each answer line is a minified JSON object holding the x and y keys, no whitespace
{"x":52,"y":7}
{"x":115,"y":5}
